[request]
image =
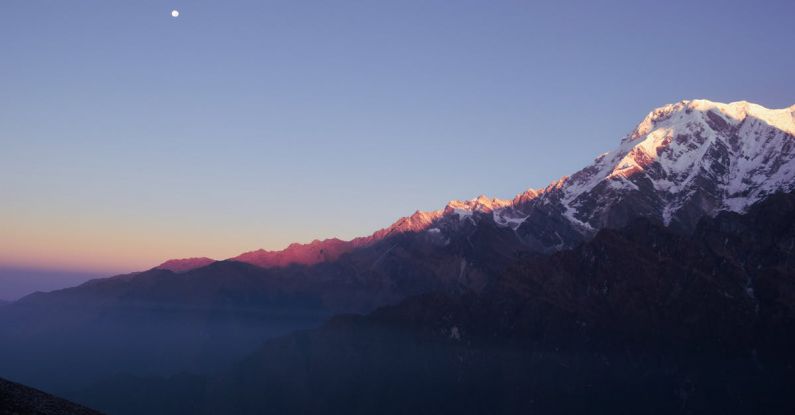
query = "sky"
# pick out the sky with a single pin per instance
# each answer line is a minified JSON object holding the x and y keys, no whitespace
{"x":128,"y":137}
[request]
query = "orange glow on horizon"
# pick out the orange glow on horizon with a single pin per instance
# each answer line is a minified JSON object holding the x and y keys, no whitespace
{"x":109,"y":247}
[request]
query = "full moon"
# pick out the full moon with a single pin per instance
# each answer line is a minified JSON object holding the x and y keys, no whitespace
{"x":175,"y":13}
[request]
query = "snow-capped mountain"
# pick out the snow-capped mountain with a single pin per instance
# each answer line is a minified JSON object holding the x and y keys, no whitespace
{"x":682,"y":162}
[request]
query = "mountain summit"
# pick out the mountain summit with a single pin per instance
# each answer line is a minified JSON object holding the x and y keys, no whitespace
{"x":682,"y":162}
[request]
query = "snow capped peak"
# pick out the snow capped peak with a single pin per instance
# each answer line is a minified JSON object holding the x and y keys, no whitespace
{"x":479,"y":204}
{"x":526,"y":196}
{"x":732,"y":113}
{"x":736,"y":112}
{"x":718,"y":156}
{"x":464,"y":209}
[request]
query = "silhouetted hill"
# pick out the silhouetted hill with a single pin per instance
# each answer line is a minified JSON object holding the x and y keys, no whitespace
{"x":16,"y":399}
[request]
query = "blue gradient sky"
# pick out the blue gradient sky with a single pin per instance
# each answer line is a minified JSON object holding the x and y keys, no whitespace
{"x":129,"y":137}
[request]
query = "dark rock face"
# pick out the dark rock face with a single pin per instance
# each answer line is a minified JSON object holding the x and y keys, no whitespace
{"x":638,"y":320}
{"x":16,"y":399}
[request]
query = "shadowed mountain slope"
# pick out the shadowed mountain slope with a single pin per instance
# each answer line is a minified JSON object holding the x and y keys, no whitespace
{"x":637,"y":320}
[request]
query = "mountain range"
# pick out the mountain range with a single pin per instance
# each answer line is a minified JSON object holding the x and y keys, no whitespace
{"x":523,"y":269}
{"x":682,"y":162}
{"x":640,"y":319}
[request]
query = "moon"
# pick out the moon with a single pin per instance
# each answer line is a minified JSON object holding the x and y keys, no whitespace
{"x":175,"y":13}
